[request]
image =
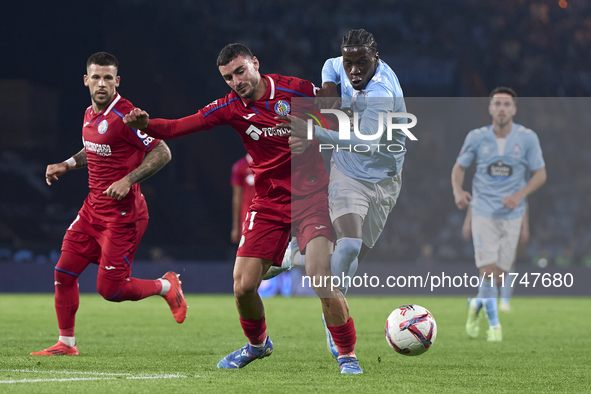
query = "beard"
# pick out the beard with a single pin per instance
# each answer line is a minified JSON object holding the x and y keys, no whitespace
{"x":246,"y":93}
{"x":101,"y":100}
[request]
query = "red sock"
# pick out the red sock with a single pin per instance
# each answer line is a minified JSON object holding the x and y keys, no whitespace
{"x":136,"y":289}
{"x":255,"y":330}
{"x":67,"y":300}
{"x":344,"y":337}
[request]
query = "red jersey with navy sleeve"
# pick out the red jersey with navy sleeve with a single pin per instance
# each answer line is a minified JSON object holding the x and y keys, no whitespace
{"x":278,"y":174}
{"x":113,"y":150}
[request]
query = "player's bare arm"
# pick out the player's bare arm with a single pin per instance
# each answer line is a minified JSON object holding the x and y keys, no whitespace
{"x":328,"y":97}
{"x":524,"y":233}
{"x":56,"y":170}
{"x":537,"y":179}
{"x":137,"y":119}
{"x":461,"y":197}
{"x":151,"y":164}
{"x":467,"y":226}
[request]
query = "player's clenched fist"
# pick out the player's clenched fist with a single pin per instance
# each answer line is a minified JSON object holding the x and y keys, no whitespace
{"x":137,"y":119}
{"x":298,"y":145}
{"x":119,"y":189}
{"x":462,"y":199}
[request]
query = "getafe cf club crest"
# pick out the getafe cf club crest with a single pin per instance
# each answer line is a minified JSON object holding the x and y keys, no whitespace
{"x":282,"y":108}
{"x":103,"y":126}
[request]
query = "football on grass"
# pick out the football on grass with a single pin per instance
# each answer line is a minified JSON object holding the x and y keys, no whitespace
{"x":411,"y":330}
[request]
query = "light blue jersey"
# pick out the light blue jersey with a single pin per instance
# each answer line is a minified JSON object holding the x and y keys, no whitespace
{"x":500,"y":174}
{"x":382,"y":94}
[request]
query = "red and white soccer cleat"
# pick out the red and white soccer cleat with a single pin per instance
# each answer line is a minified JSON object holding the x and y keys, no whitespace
{"x":175,"y":298}
{"x":59,"y":349}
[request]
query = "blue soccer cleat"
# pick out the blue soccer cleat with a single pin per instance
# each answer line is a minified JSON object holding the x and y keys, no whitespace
{"x":349,"y":365}
{"x":244,"y":356}
{"x":332,"y":347}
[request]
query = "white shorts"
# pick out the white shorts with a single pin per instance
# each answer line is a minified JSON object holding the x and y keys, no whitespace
{"x":495,"y":241}
{"x":372,"y":201}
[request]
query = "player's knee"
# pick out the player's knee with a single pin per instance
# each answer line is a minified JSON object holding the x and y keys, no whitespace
{"x":245,"y":288}
{"x":348,"y":248}
{"x":68,"y":268}
{"x":64,"y":279}
{"x":109,"y":289}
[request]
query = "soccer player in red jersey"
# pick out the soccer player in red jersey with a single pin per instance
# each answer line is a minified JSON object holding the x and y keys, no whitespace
{"x":114,"y":216}
{"x":290,"y":191}
{"x":242,"y":182}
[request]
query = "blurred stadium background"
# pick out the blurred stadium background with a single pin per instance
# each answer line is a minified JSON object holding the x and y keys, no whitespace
{"x":167,"y":53}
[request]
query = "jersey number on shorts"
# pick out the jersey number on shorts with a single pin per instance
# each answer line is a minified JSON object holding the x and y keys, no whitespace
{"x":251,"y":222}
{"x":75,"y":220}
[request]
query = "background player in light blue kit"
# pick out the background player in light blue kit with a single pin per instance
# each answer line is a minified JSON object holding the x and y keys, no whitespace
{"x":506,"y":155}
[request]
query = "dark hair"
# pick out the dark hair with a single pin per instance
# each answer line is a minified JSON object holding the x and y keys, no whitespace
{"x":360,"y":38}
{"x":103,"y":59}
{"x":232,"y":51}
{"x":504,"y":90}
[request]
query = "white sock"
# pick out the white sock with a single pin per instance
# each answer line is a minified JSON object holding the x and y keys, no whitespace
{"x":70,"y":341}
{"x":165,"y":286}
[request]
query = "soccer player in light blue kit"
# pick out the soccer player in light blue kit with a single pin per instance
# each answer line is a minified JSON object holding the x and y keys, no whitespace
{"x":506,"y":155}
{"x":364,"y":184}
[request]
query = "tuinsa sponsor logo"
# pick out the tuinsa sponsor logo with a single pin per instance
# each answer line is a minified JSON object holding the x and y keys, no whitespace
{"x":100,"y":149}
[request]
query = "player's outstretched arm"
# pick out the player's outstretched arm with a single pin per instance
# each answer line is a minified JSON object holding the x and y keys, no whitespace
{"x":461,"y":197}
{"x":152,"y":163}
{"x":168,"y":129}
{"x":56,"y":170}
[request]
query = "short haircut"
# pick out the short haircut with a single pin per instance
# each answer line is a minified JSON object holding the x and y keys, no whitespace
{"x":360,"y":38}
{"x":232,"y":51}
{"x":103,"y":59}
{"x":504,"y":90}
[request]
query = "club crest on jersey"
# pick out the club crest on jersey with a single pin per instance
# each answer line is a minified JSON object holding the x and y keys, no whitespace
{"x":103,"y":126}
{"x":517,"y":150}
{"x":282,"y":108}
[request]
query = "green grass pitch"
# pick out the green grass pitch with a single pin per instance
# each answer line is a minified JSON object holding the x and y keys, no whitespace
{"x":136,"y":347}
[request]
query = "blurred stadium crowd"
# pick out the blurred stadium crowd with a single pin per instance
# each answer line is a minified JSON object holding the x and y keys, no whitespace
{"x":541,"y":48}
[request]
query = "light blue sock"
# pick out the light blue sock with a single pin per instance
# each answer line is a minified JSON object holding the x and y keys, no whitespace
{"x":507,"y":290}
{"x":488,"y":293}
{"x":344,"y":262}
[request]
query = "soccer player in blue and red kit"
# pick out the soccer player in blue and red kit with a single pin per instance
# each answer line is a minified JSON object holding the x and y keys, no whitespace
{"x":290,"y":191}
{"x":114,"y":216}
